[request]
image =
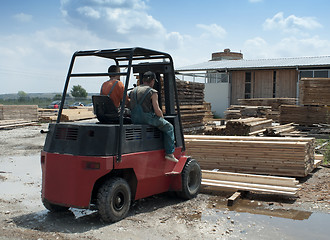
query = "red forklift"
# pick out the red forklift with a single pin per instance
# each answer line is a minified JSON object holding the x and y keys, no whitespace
{"x":107,"y":164}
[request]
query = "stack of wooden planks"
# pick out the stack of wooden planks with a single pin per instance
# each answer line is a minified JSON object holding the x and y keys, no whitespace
{"x":9,"y":124}
{"x":68,"y":115}
{"x":190,"y":93}
{"x":274,"y":104}
{"x":26,"y":112}
{"x":314,"y":91}
{"x":242,"y":111}
{"x":250,"y":182}
{"x":304,"y":115}
{"x":247,"y":126}
{"x":241,"y":127}
{"x":258,"y":155}
{"x":279,"y":130}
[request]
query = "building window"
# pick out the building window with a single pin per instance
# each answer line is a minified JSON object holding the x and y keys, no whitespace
{"x":216,"y":77}
{"x":314,"y":74}
{"x":247,"y":85}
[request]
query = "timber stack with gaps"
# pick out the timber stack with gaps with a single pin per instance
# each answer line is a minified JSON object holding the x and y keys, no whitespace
{"x":314,"y":100}
{"x":276,"y":156}
{"x":195,"y":112}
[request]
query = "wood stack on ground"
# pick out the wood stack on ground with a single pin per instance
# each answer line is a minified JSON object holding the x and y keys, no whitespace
{"x":279,"y":130}
{"x":194,"y":111}
{"x":241,"y":111}
{"x":276,"y":156}
{"x":247,"y":126}
{"x":314,"y":91}
{"x":314,"y":98}
{"x":250,"y":182}
{"x":9,"y":124}
{"x":26,"y":112}
{"x":68,"y":115}
{"x":241,"y":127}
{"x":304,"y":115}
{"x":258,"y":107}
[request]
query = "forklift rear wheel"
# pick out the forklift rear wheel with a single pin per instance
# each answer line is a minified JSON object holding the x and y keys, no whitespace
{"x":53,"y":207}
{"x":114,"y":200}
{"x":191,"y":179}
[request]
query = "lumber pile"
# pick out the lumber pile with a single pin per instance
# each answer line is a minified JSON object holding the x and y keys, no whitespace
{"x":314,"y":91}
{"x":9,"y":124}
{"x":250,"y":182}
{"x":26,"y":112}
{"x":279,"y":130}
{"x":265,"y":107}
{"x":304,"y":115}
{"x":276,"y":156}
{"x":68,"y":115}
{"x":241,"y":127}
{"x":242,"y":111}
{"x":195,"y":113}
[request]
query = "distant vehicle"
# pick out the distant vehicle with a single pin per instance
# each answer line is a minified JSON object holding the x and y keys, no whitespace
{"x":77,"y":104}
{"x":56,"y":105}
{"x":89,"y":105}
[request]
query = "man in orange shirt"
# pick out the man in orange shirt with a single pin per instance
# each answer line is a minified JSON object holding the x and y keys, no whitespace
{"x":114,"y":88}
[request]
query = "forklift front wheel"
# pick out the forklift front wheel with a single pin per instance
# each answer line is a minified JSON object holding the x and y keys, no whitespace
{"x":114,"y":200}
{"x":191,"y":179}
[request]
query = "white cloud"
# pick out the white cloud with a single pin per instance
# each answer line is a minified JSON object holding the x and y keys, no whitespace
{"x":212,"y":31}
{"x":122,"y":20}
{"x":22,"y":17}
{"x":292,"y":23}
{"x":174,"y":40}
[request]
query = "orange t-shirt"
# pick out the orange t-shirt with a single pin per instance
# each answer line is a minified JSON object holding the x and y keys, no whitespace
{"x":117,"y":92}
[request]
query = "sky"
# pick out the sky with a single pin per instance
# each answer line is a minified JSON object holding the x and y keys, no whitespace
{"x":38,"y":37}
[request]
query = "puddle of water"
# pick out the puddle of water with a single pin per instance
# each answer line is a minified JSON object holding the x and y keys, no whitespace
{"x":257,"y":220}
{"x":20,"y":179}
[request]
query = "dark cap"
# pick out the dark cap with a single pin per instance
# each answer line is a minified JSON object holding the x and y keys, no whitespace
{"x":148,"y":76}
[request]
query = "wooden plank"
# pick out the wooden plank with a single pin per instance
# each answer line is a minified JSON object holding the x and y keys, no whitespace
{"x":233,"y":198}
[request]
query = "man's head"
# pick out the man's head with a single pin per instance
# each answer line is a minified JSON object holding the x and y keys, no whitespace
{"x":149,"y":76}
{"x":114,"y":69}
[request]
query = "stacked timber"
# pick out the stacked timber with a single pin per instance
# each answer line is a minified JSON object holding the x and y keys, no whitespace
{"x":9,"y":124}
{"x":68,"y":115}
{"x":314,"y":91}
{"x":304,"y":115}
{"x":250,"y":182}
{"x":190,"y":93}
{"x":257,"y":155}
{"x":241,"y":127}
{"x":279,"y":130}
{"x":241,"y":111}
{"x":26,"y":112}
{"x":275,"y":103}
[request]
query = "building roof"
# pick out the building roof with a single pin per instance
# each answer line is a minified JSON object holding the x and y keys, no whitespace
{"x":300,"y":62}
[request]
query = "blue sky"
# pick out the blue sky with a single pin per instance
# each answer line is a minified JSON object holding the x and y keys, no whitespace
{"x":38,"y":37}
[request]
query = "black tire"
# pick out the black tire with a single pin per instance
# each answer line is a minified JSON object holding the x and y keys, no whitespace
{"x":53,"y":207}
{"x":191,"y":179}
{"x":114,"y":200}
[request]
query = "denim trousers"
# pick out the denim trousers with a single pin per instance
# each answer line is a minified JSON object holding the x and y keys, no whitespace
{"x":140,"y":117}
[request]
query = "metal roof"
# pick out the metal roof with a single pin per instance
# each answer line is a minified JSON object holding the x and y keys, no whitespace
{"x":300,"y":62}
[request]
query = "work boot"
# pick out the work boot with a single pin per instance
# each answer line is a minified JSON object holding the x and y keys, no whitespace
{"x":171,"y":157}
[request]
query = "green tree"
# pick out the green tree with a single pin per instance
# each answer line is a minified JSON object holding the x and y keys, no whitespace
{"x":22,"y":96}
{"x":57,"y":97}
{"x":78,"y":92}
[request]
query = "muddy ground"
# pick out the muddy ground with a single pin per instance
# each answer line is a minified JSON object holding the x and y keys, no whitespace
{"x":256,"y":216}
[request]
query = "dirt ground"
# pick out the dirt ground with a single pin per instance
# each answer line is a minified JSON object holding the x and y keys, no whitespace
{"x":164,"y":216}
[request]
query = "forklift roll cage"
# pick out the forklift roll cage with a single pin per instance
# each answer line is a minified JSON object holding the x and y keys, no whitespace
{"x":126,"y":58}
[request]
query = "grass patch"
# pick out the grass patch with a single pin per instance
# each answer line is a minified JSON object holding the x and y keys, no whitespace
{"x":324,"y":148}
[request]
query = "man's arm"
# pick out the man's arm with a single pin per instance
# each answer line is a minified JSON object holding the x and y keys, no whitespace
{"x":155,"y":105}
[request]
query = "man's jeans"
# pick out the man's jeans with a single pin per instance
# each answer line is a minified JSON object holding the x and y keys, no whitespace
{"x":140,"y":117}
